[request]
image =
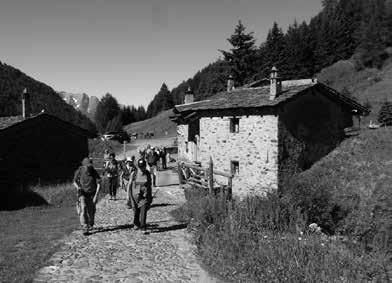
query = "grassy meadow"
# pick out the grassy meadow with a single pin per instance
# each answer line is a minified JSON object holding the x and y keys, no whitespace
{"x":31,"y":235}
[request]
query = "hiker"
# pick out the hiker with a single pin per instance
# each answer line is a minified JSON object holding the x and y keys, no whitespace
{"x":152,"y":160}
{"x":86,"y":181}
{"x":141,"y":195}
{"x":163,"y":158}
{"x":128,"y":177}
{"x":111,"y":172}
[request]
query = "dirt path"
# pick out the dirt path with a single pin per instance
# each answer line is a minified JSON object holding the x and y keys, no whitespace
{"x":117,"y":253}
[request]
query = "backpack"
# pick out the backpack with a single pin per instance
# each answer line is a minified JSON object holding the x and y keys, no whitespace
{"x":143,"y":193}
{"x":150,"y":157}
{"x":88,"y":179}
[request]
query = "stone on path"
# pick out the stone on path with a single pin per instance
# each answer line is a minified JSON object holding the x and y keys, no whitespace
{"x":114,"y":252}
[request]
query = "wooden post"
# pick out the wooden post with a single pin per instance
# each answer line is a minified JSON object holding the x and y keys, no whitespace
{"x":211,"y":176}
{"x":230,"y":186}
{"x":124,"y":151}
{"x":180,"y":179}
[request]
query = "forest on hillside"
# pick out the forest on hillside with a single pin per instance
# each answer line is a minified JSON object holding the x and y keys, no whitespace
{"x":43,"y":97}
{"x":358,"y":29}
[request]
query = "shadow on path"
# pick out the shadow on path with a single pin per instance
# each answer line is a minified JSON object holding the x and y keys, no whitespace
{"x":160,"y":205}
{"x":154,"y":228}
{"x":111,"y":228}
{"x":169,"y":228}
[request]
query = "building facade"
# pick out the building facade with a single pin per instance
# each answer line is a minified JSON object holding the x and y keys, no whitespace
{"x":264,"y":134}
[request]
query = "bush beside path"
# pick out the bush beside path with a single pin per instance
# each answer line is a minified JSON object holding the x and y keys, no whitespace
{"x":115,"y":252}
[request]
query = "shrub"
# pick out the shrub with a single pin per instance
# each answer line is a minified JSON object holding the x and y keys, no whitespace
{"x":255,"y":240}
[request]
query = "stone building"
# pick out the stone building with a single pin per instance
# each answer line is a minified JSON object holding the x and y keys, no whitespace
{"x":266,"y":131}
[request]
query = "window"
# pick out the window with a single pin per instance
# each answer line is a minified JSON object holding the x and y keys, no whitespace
{"x":234,"y":125}
{"x":186,"y":147}
{"x":235,"y":167}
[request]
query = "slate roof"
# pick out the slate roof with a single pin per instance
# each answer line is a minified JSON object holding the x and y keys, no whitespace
{"x":259,"y":97}
{"x":15,"y":121}
{"x":6,"y":122}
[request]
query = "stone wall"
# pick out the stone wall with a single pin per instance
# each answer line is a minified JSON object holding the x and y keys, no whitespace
{"x":255,"y":147}
{"x":187,"y":146}
{"x":182,"y":138}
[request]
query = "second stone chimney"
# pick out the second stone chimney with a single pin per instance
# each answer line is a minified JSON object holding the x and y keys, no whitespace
{"x":189,"y":98}
{"x":230,"y":83}
{"x":26,"y":107}
{"x":275,"y":84}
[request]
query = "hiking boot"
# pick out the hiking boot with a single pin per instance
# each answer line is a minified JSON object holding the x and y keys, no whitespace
{"x":86,"y":231}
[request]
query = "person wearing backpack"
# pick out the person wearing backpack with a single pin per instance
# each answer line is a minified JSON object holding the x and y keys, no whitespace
{"x":86,"y":181}
{"x":111,"y":171}
{"x":128,"y":177}
{"x":152,"y":161}
{"x":141,"y":195}
{"x":163,"y":158}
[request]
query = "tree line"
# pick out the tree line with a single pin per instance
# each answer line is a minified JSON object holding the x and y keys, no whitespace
{"x":343,"y":29}
{"x":110,"y":116}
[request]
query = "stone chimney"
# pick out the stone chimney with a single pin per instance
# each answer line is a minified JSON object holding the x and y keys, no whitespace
{"x":26,"y":107}
{"x":230,"y":83}
{"x":188,"y":96}
{"x":275,"y":84}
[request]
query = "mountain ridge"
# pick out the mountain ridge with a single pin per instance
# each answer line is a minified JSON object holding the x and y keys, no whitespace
{"x":42,"y":97}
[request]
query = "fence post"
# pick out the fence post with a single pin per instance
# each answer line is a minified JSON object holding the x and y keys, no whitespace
{"x":211,"y":176}
{"x":180,"y":179}
{"x":124,"y":150}
{"x":230,"y":186}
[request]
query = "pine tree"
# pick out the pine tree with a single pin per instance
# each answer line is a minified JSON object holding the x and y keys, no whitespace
{"x":163,"y":100}
{"x":115,"y":124}
{"x":241,"y":55}
{"x":275,"y":51}
{"x":374,"y":34}
{"x":107,"y":110}
{"x":298,"y":52}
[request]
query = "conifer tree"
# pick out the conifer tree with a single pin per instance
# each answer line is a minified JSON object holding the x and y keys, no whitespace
{"x":275,"y":50}
{"x":115,"y":124}
{"x":163,"y":100}
{"x":241,"y":55}
{"x":107,"y":110}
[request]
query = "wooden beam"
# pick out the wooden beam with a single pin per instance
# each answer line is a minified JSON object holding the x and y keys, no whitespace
{"x":224,"y":174}
{"x":211,"y":176}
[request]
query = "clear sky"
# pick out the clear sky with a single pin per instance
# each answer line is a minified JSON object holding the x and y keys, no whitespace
{"x":130,"y":47}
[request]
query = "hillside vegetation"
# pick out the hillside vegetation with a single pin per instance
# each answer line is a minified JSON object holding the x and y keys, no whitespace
{"x":354,"y":184}
{"x":331,"y":223}
{"x":160,"y":125}
{"x":43,"y":97}
{"x":370,"y":86}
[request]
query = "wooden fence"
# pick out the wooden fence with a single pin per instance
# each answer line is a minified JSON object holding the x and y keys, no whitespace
{"x":203,"y":177}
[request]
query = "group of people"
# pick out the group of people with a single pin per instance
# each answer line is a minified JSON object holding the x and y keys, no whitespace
{"x":136,"y":178}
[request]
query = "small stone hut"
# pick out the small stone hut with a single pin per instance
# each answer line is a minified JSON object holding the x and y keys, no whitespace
{"x":265,"y":131}
{"x":40,"y":148}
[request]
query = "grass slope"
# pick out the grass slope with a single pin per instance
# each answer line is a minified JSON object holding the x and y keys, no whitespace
{"x":355,"y":180}
{"x":159,"y":125}
{"x":367,"y":85}
{"x":30,"y":236}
